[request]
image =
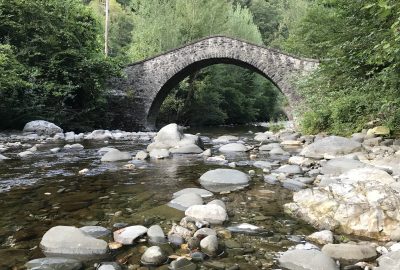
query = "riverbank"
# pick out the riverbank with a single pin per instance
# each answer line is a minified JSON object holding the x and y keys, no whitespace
{"x":348,"y":186}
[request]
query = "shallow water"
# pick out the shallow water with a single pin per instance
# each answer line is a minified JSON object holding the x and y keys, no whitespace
{"x":45,"y":190}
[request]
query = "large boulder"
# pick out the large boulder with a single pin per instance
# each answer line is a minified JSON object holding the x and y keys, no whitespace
{"x":115,"y":155}
{"x":42,"y":127}
{"x":303,"y":259}
{"x":171,"y":137}
{"x":332,"y":145}
{"x":224,"y":180}
{"x":71,"y":242}
{"x":351,"y":205}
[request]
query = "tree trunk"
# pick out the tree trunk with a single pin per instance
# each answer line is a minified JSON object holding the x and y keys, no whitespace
{"x":107,"y":9}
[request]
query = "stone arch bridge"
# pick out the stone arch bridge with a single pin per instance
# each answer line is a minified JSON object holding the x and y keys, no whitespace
{"x":136,"y":98}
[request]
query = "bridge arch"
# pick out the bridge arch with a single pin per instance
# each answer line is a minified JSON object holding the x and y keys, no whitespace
{"x":148,"y":82}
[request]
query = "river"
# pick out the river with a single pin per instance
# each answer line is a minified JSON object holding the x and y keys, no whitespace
{"x":45,"y":190}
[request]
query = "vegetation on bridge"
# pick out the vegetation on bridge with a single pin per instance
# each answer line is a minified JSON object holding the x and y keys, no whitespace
{"x":52,"y":64}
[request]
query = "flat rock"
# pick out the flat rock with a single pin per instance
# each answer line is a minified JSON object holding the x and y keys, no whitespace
{"x":115,"y":155}
{"x":233,"y":147}
{"x":332,"y":145}
{"x":350,"y":253}
{"x":211,"y":213}
{"x":71,"y":242}
{"x":293,"y":184}
{"x":269,"y":147}
{"x":225,"y":139}
{"x":224,"y":180}
{"x":186,"y":200}
{"x":129,"y":234}
{"x":54,"y":263}
{"x":202,"y":192}
{"x":338,"y":166}
{"x":366,"y":175}
{"x":302,"y":259}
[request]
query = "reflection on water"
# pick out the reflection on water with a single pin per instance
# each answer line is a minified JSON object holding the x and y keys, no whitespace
{"x":46,"y":189}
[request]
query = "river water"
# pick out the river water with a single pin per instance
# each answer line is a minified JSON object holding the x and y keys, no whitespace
{"x":45,"y":190}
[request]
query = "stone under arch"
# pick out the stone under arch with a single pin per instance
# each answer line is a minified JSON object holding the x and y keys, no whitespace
{"x":146,"y":83}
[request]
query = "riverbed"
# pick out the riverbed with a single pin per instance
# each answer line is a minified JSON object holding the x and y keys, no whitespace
{"x":46,"y":189}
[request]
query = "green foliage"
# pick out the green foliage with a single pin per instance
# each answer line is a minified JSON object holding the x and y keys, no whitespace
{"x":55,"y":47}
{"x":163,"y":25}
{"x":223,"y":95}
{"x":358,"y":42}
{"x":121,"y":25}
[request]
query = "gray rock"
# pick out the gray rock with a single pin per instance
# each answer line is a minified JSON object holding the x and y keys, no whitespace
{"x":54,"y":263}
{"x":269,"y":147}
{"x":3,"y":157}
{"x":115,"y":155}
{"x":263,"y":164}
{"x":205,"y":231}
{"x":350,"y":253}
{"x":338,"y":166}
{"x":156,"y":235}
{"x":209,"y":245}
{"x":233,"y":147}
{"x":265,"y":137}
{"x":271,"y":179}
{"x":390,"y":261}
{"x":25,"y":154}
{"x":99,"y":135}
{"x":105,"y":150}
{"x":42,"y":127}
{"x":176,"y":239}
{"x":71,"y":242}
{"x":70,"y":136}
{"x":154,"y":256}
{"x":278,"y":151}
{"x":75,"y":146}
{"x":182,"y":264}
{"x":289,"y":169}
{"x":322,"y":237}
{"x":224,"y":180}
{"x":96,"y":231}
{"x":129,"y":234}
{"x":225,"y":139}
{"x":187,"y":149}
{"x":332,"y":145}
{"x":142,"y":155}
{"x":159,"y":153}
{"x":293,"y":184}
{"x":184,"y":201}
{"x":108,"y":266}
{"x":301,"y":259}
{"x":218,"y":202}
{"x":211,"y":213}
{"x":202,"y":192}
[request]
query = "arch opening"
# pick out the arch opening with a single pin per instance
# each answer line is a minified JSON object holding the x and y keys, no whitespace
{"x":200,"y":66}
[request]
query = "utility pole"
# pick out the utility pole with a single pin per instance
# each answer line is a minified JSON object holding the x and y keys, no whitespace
{"x":106,"y":27}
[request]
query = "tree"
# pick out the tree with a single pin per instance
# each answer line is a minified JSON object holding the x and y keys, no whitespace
{"x":57,"y":44}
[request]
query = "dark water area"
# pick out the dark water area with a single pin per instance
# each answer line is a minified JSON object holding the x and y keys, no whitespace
{"x":46,"y":189}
